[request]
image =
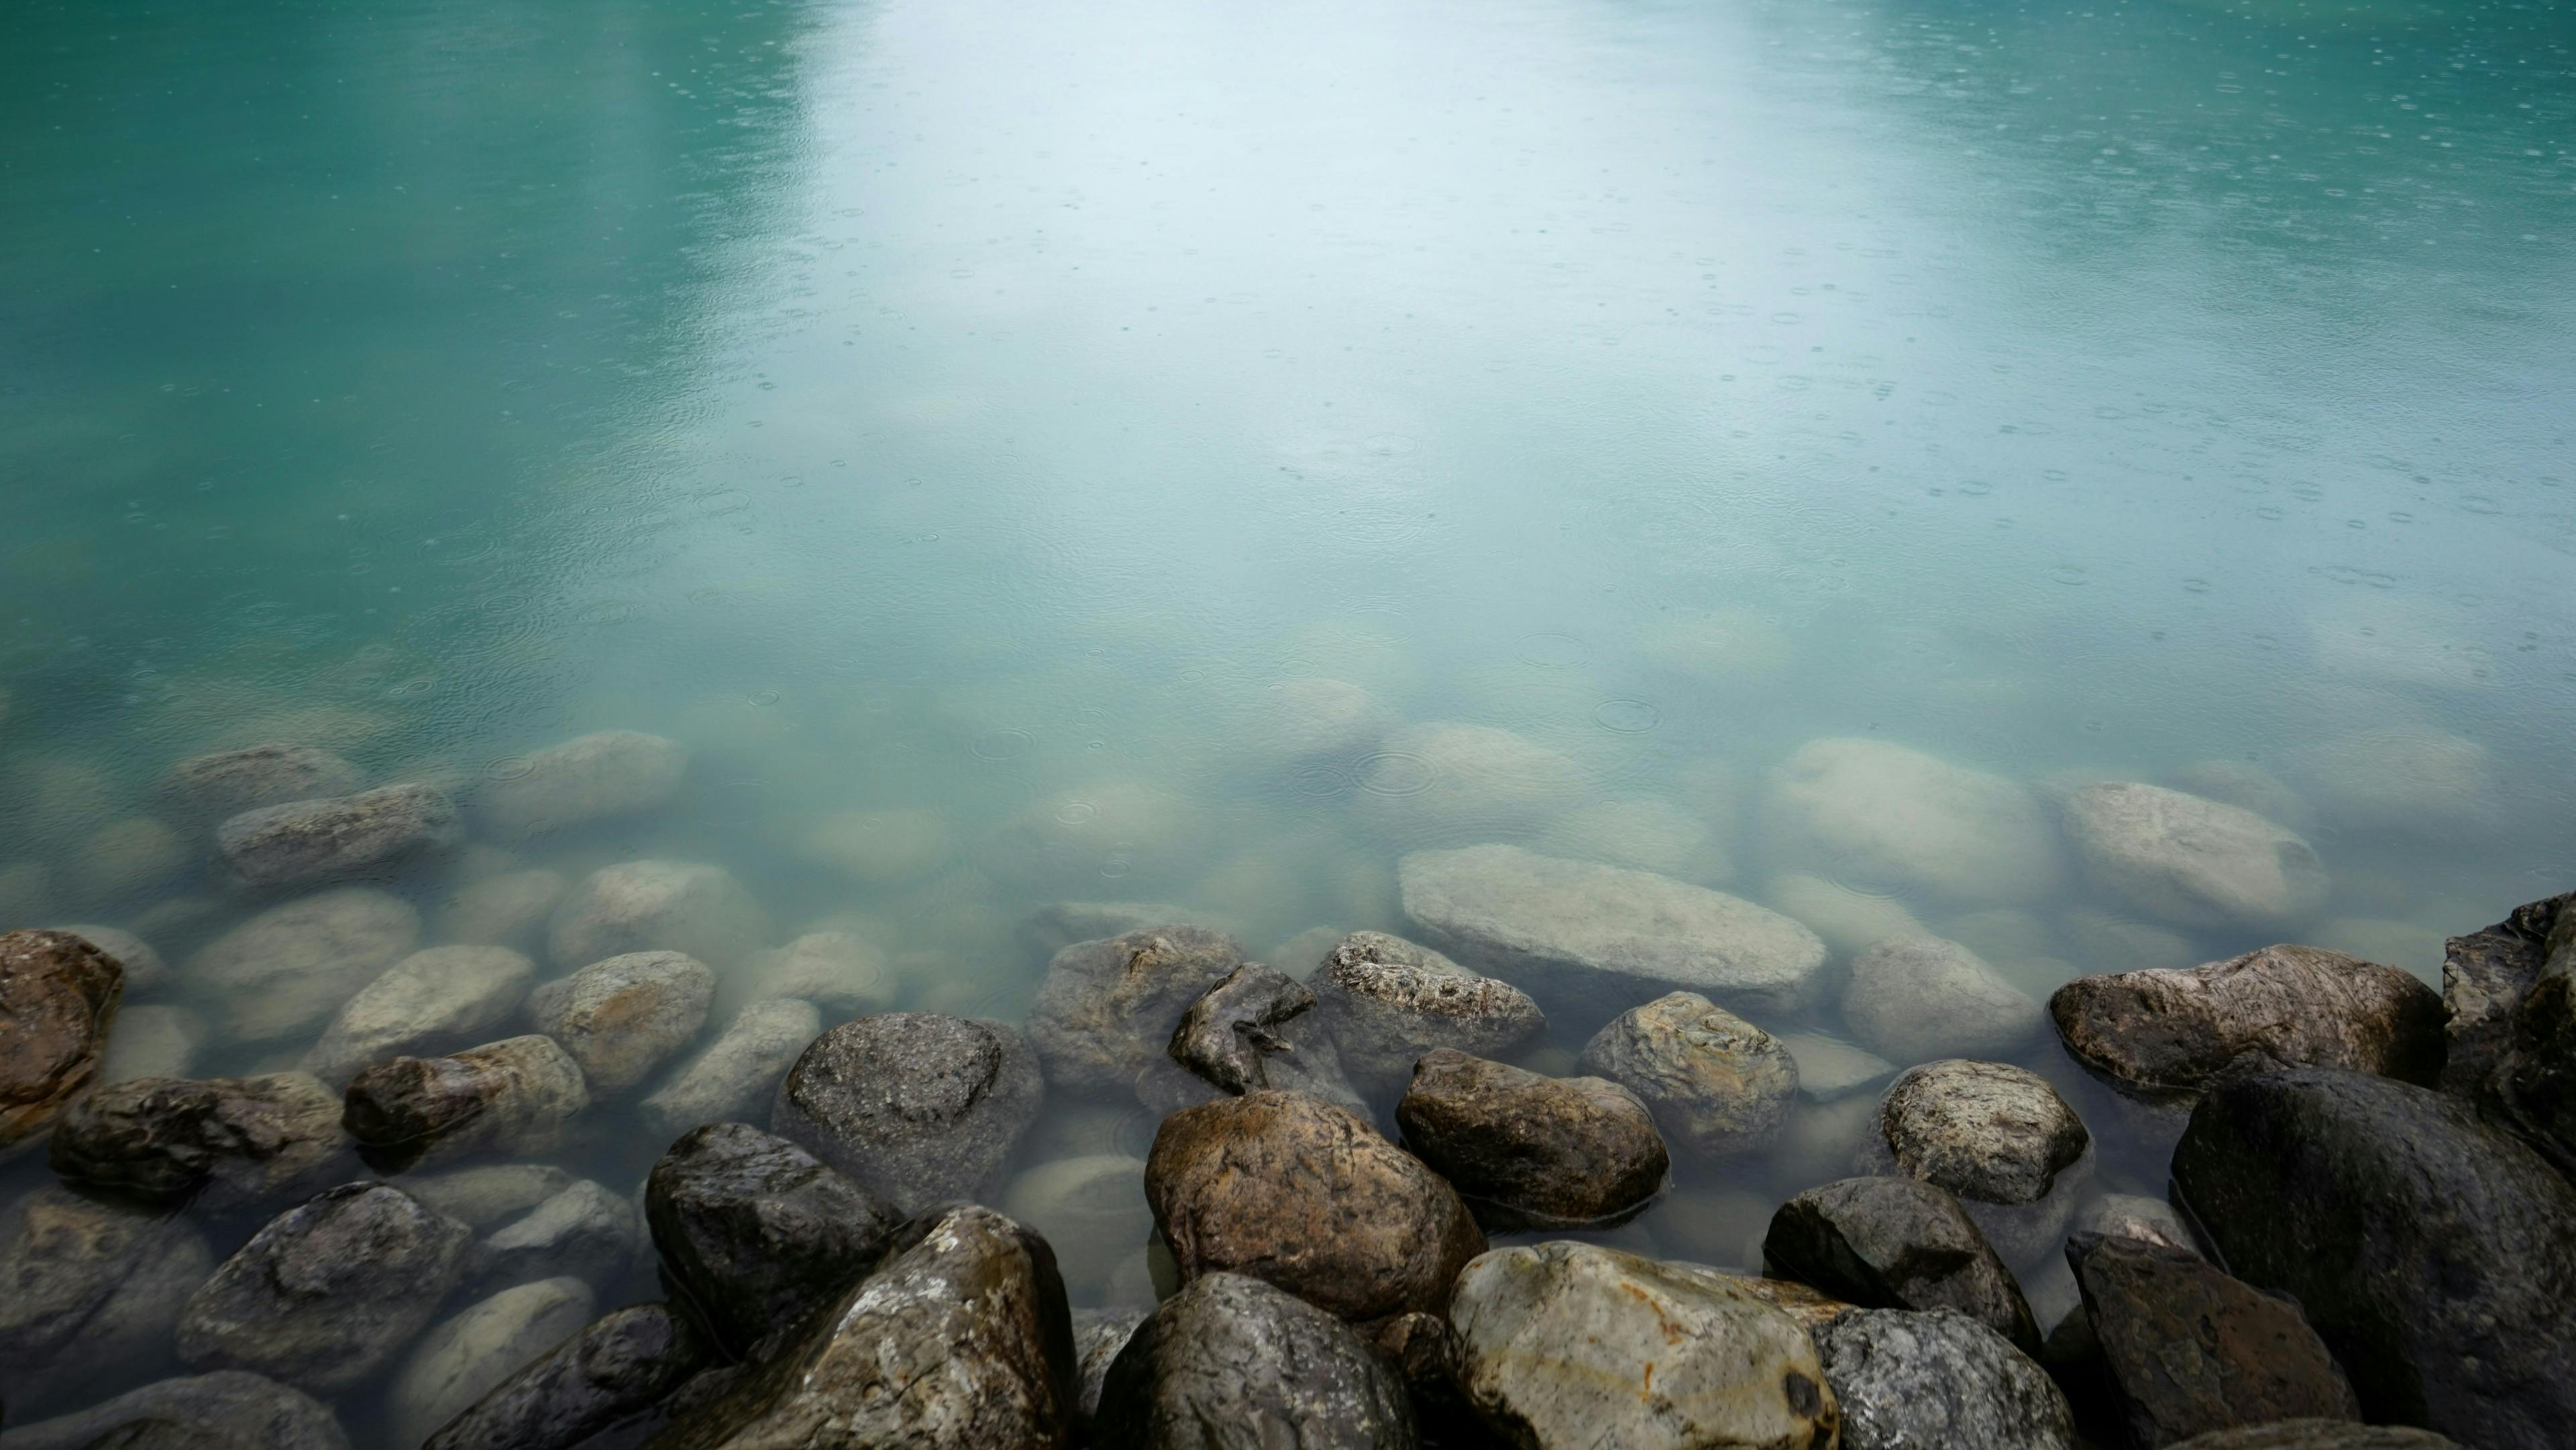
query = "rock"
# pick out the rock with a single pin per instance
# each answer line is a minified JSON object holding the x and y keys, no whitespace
{"x":152,"y":1041}
{"x":1227,"y":1033}
{"x":613,"y":1370}
{"x":2429,"y":1250}
{"x":1718,"y":1085}
{"x":122,"y":860}
{"x":1849,"y":920}
{"x":1896,"y":1243}
{"x":1051,"y":928}
{"x":484,"y":1198}
{"x":960,"y":1341}
{"x":513,"y":1096}
{"x":1386,"y":1002}
{"x":1890,"y":817}
{"x":306,"y":843}
{"x":286,"y":970}
{"x":588,"y":778}
{"x":2175,"y":1034}
{"x":739,"y":1072}
{"x":1566,"y":1344}
{"x":2318,"y":1435}
{"x":657,"y":906}
{"x":58,"y":1000}
{"x":210,"y":788}
{"x":219,"y":1146}
{"x":1124,"y":826}
{"x":1828,"y":1070}
{"x":585,"y":1232}
{"x":920,"y":1107}
{"x":89,"y":1294}
{"x":2404,"y":780}
{"x":1650,"y":835}
{"x":247,"y":1411}
{"x":2127,"y":1216}
{"x":1907,"y":1378}
{"x":2186,"y":1349}
{"x":1914,"y":998}
{"x":430,"y":1002}
{"x":508,"y":910}
{"x":2194,"y":862}
{"x":2535,"y":1084}
{"x":328,"y":1292}
{"x":840,"y":972}
{"x":1092,"y":1209}
{"x":2247,"y":787}
{"x":144,"y":969}
{"x":1527,"y":1151}
{"x":1232,"y":1362}
{"x":625,"y":1016}
{"x":2485,"y":977}
{"x":460,"y":1361}
{"x":1307,"y":1196}
{"x":1452,"y":781}
{"x":880,"y":849}
{"x":1098,"y":1335}
{"x":1297,"y":720}
{"x":1107,"y":1009}
{"x":1608,"y":933}
{"x":756,"y":1234}
{"x":1987,"y":1131}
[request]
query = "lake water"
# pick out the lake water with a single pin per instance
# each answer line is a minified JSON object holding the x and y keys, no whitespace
{"x":972,"y":427}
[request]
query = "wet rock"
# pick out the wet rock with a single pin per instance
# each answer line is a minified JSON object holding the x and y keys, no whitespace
{"x":2194,"y":862}
{"x":1306,"y":1195}
{"x":1107,"y":1009}
{"x":657,"y":906}
{"x":145,"y":971}
{"x":2000,"y":1138}
{"x":756,"y":1234}
{"x":1896,"y":1243}
{"x":920,"y":1107}
{"x":286,"y":970}
{"x":1527,"y":1151}
{"x":1718,"y":1085}
{"x":1908,"y":1378}
{"x":307,"y":843}
{"x":513,"y":1096}
{"x":840,"y":972}
{"x":1889,"y":816}
{"x":1232,"y":1362}
{"x":2246,"y":786}
{"x":1091,"y":1208}
{"x":124,"y":860}
{"x":1051,"y":928}
{"x":1650,"y":835}
{"x":509,"y":910}
{"x":2128,"y":1216}
{"x":1566,"y":1344}
{"x":960,"y":1341}
{"x":1829,"y":1070}
{"x":1227,"y":1033}
{"x":1606,"y":933}
{"x":218,"y":1146}
{"x":89,"y":1293}
{"x":2318,"y":1435}
{"x":248,"y":1412}
{"x":1850,"y":920}
{"x":739,"y":1072}
{"x":614,"y":1370}
{"x":1098,"y":1335}
{"x":2429,"y":1250}
{"x":1387,"y":1001}
{"x":2535,"y":1084}
{"x":430,"y":1002}
{"x":485,"y":1198}
{"x":1450,"y":781}
{"x":459,"y":1361}
{"x":2175,"y":1034}
{"x":1914,"y":998}
{"x":585,"y":1232}
{"x":2485,"y":977}
{"x":152,"y":1041}
{"x":588,"y":778}
{"x":58,"y":1000}
{"x":625,"y":1016}
{"x":2186,"y":1349}
{"x":210,"y":788}
{"x":328,"y":1292}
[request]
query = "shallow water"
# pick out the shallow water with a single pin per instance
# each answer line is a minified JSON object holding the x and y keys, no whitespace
{"x":991,"y":413}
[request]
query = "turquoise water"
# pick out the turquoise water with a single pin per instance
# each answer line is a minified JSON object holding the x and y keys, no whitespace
{"x":988,"y":413}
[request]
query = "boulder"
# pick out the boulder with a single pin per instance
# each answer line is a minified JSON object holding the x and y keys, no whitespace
{"x":840,"y":972}
{"x":92,"y":1292}
{"x":1107,"y":1009}
{"x":588,"y":778}
{"x":2485,"y":977}
{"x":509,"y":910}
{"x":1607,"y":934}
{"x":1092,"y":1209}
{"x":1717,"y":1085}
{"x":1570,"y":1345}
{"x":2318,"y":1435}
{"x":2430,"y":1251}
{"x":1231,"y":1362}
{"x":738,"y":1073}
{"x":623,"y":1017}
{"x":1887,"y":816}
{"x":242,"y":1411}
{"x":1098,"y":1335}
{"x":1306,"y":1195}
{"x":2194,"y":862}
{"x":219,"y":1146}
{"x":430,"y":1002}
{"x":1445,"y":781}
{"x":58,"y":1000}
{"x":209,"y":788}
{"x":1896,"y":1243}
{"x":285,"y":971}
{"x":657,"y":906}
{"x":459,"y":1361}
{"x":1225,"y":1036}
{"x":1527,"y":1151}
{"x":920,"y":1107}
{"x":1997,"y":1136}
{"x":153,"y":1041}
{"x":1909,"y":1378}
{"x":615,"y":1369}
{"x":486,"y":1197}
{"x":513,"y":1096}
{"x":585,"y":1232}
{"x":1387,"y":1001}
{"x":307,"y":843}
{"x":1914,"y":998}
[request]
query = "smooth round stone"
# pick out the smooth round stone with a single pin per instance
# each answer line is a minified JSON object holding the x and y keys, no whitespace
{"x":458,"y":1361}
{"x":486,"y":1197}
{"x":286,"y":970}
{"x":2402,"y":780}
{"x":1107,"y":1009}
{"x":2194,"y":862}
{"x":253,"y":1412}
{"x":1915,"y":998}
{"x":1718,"y":1085}
{"x":508,"y":910}
{"x":217,"y":1146}
{"x":623,"y":1017}
{"x":589,"y":778}
{"x":613,"y":1370}
{"x":429,"y":1002}
{"x":919,"y":1107}
{"x":736,"y":1075}
{"x":1648,"y":834}
{"x":1897,"y":1243}
{"x":1295,"y":720}
{"x":585,"y":1231}
{"x":1986,"y":1131}
{"x":657,"y":906}
{"x":842,"y":973}
{"x":308,"y":843}
{"x":1528,"y":1151}
{"x":1850,"y":921}
{"x":1890,"y":816}
{"x":1450,"y":780}
{"x":1828,"y":1069}
{"x":514,"y":1096}
{"x":2246,"y":786}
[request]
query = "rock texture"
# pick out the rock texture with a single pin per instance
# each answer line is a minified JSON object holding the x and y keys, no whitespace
{"x":429,"y":1002}
{"x":1107,"y":1009}
{"x":209,"y":788}
{"x":2194,"y":862}
{"x":286,"y":970}
{"x":89,"y":1293}
{"x":1986,"y":1131}
{"x":1228,"y":1033}
{"x":255,"y":1413}
{"x":2535,"y":1084}
{"x":1231,"y":1362}
{"x":308,"y":842}
{"x":1098,"y":1336}
{"x":216,"y":1145}
{"x":1911,"y":1380}
{"x":1895,"y":1243}
{"x":1916,"y":997}
{"x":918,"y":1106}
{"x":511,"y":1096}
{"x":2319,"y":1435}
{"x":1387,"y":1001}
{"x":613,"y":1370}
{"x":588,"y":778}
{"x":584,"y":1232}
{"x":623,"y":1017}
{"x":657,"y":906}
{"x":458,"y":1361}
{"x":1527,"y":1151}
{"x":739,"y":1072}
{"x":1716,"y":1084}
{"x":1888,"y":816}
{"x":2485,"y":977}
{"x":58,"y":999}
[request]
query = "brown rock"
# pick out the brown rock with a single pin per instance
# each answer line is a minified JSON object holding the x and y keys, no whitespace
{"x":1986,"y":1131}
{"x":1107,"y":1009}
{"x":514,"y":1095}
{"x":1895,"y":1243}
{"x":58,"y":996}
{"x":1227,"y":1033}
{"x":1528,"y":1151}
{"x":217,"y":1145}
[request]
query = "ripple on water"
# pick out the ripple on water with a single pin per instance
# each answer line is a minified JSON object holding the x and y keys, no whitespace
{"x":1008,"y":744}
{"x":1551,"y":650}
{"x":1627,"y":717}
{"x":1394,"y":773}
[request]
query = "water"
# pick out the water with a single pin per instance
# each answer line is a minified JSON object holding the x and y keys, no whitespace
{"x":989,"y":413}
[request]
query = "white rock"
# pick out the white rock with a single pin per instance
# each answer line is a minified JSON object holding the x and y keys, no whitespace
{"x":458,"y":1361}
{"x":1092,"y":1209}
{"x":1651,"y":835}
{"x":2194,"y":862}
{"x":1915,"y":998}
{"x":429,"y":1003}
{"x":1828,"y":1069}
{"x":735,"y":1077}
{"x":1886,"y":815}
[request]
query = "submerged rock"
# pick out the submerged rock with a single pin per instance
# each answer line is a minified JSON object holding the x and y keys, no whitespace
{"x":208,"y":788}
{"x":585,"y":1232}
{"x":1717,"y":1084}
{"x":145,"y":971}
{"x":509,"y":910}
{"x":429,"y":1002}
{"x":2194,"y":862}
{"x":1231,"y":1362}
{"x":2318,"y":1435}
{"x":1896,"y":1243}
{"x":657,"y":906}
{"x":1091,"y":1208}
{"x":241,"y":1411}
{"x":1987,"y":1131}
{"x":1446,"y":780}
{"x":1906,"y":1379}
{"x":1829,"y":1070}
{"x":1107,"y":1009}
{"x":286,"y":970}
{"x":1098,"y":1336}
{"x":739,"y":1072}
{"x":458,"y":1361}
{"x":484,"y":1198}
{"x":306,"y":843}
{"x":1889,"y":816}
{"x":1918,"y":997}
{"x":1528,"y":1151}
{"x":588,"y":778}
{"x":152,"y":1041}
{"x":840,"y":972}
{"x":122,"y":861}
{"x":920,"y":1107}
{"x":511,"y":1096}
{"x":92,"y":1293}
{"x":58,"y":998}
{"x":623,"y":1017}
{"x":1387,"y":1001}
{"x":216,"y":1145}
{"x":614,"y":1370}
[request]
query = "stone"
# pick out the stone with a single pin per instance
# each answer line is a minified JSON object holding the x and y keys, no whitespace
{"x":879,"y":849}
{"x":960,"y":1341}
{"x":1126,"y":826}
{"x":430,"y":1002}
{"x":2172,"y":1035}
{"x":1608,"y":933}
{"x":247,"y":1412}
{"x":2185,"y":1349}
{"x":625,"y":1016}
{"x":657,"y":906}
{"x":58,"y":1000}
{"x":1896,"y":1243}
{"x":595,"y":777}
{"x":1107,"y":1009}
{"x":513,"y":1097}
{"x":1909,"y":1378}
{"x":1986,"y":1131}
{"x":2535,"y":1084}
{"x":1916,"y":998}
{"x":2246,"y":786}
{"x":1059,"y":924}
{"x":509,"y":910}
{"x":738,"y":1073}
{"x":89,"y":1294}
{"x":459,"y":1361}
{"x":1829,"y":1069}
{"x":2428,"y":1249}
{"x":487,"y":1197}
{"x":2318,"y":1435}
{"x":585,"y":1232}
{"x":209,"y":788}
{"x":1883,"y":815}
{"x":328,"y":1292}
{"x":1307,"y":1196}
{"x":308,"y":843}
{"x":152,"y":1041}
{"x":145,"y":971}
{"x":217,"y":1146}
{"x":2485,"y":977}
{"x":1450,"y":781}
{"x":613,"y":1370}
{"x":1225,"y":1036}
{"x":756,"y":1234}
{"x":1567,"y":1345}
{"x":124,"y":860}
{"x":1098,"y":1335}
{"x":1296,"y":720}
{"x":2401,"y":779}
{"x":1091,"y":1209}
{"x":1718,"y":1085}
{"x":285,"y":971}
{"x":1848,"y":919}
{"x":1387,"y":1001}
{"x":840,"y":972}
{"x":2194,"y":862}
{"x":1232,"y":1362}
{"x":2129,"y":1216}
{"x":920,"y":1107}
{"x":1650,"y":835}
{"x":1527,"y":1151}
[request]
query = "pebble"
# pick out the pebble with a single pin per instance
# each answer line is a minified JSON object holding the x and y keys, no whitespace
{"x":257,"y":1413}
{"x":1092,"y":1209}
{"x":1896,"y":1243}
{"x":589,"y":778}
{"x":1907,"y":1379}
{"x":509,"y":910}
{"x":94,"y":1291}
{"x":2194,"y":862}
{"x":612,"y":1371}
{"x":1718,"y":1085}
{"x":1527,"y":1151}
{"x":585,"y":1232}
{"x":1107,"y":1009}
{"x":1894,"y":817}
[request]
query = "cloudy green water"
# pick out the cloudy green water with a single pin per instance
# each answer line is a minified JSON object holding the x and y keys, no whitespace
{"x":979,"y":410}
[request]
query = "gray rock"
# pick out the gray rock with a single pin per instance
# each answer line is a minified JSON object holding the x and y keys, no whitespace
{"x":1098,"y":1335}
{"x":2535,"y":1084}
{"x":430,"y":1002}
{"x":459,"y":1361}
{"x":585,"y":1232}
{"x":1914,"y":998}
{"x":1986,"y":1131}
{"x":145,"y":971}
{"x":1091,"y":1210}
{"x":328,"y":1292}
{"x":252,"y":1411}
{"x":623,"y":1017}
{"x":657,"y":906}
{"x":1226,"y":1035}
{"x":1895,"y":1243}
{"x":1829,"y":1070}
{"x":1232,"y":1362}
{"x":614,"y":1370}
{"x":2485,"y":977}
{"x":840,"y":972}
{"x":735,"y":1077}
{"x":1107,"y":1009}
{"x":2318,"y":1435}
{"x":58,"y":1000}
{"x":210,"y":788}
{"x":2129,"y":1216}
{"x":1884,"y":815}
{"x":920,"y":1107}
{"x":588,"y":778}
{"x":1718,"y":1085}
{"x":1387,"y":1001}
{"x":487,"y":1197}
{"x":309,"y":842}
{"x":92,"y":1293}
{"x":509,"y":910}
{"x":1908,"y":1378}
{"x":286,"y":970}
{"x":152,"y":1041}
{"x":1527,"y":1151}
{"x":220,"y":1146}
{"x":1444,"y":781}
{"x":513,"y":1096}
{"x":2194,"y":862}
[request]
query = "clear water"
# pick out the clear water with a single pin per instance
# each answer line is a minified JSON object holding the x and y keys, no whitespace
{"x":981,"y":409}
